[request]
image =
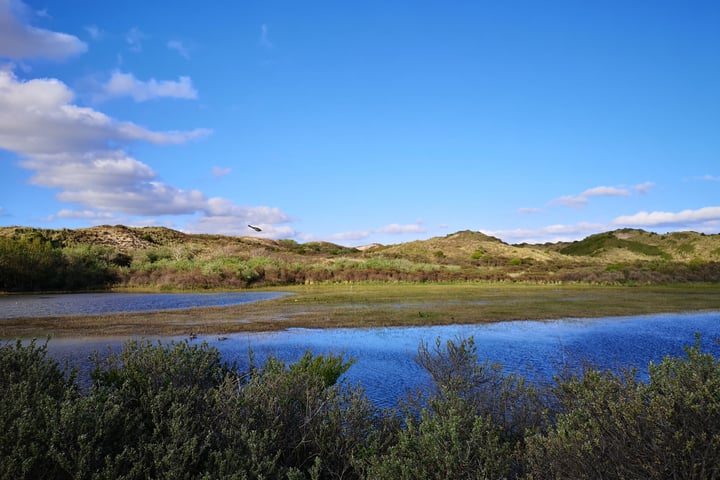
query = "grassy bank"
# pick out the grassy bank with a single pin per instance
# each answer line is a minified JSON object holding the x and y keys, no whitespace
{"x":375,"y":305}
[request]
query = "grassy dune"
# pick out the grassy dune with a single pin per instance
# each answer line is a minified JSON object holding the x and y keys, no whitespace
{"x":374,"y":305}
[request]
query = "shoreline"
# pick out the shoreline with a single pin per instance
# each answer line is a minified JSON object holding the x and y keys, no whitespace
{"x":380,"y":305}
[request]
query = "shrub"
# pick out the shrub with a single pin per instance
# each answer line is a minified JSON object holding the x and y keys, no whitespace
{"x":470,"y":423}
{"x":615,"y":426}
{"x":32,"y":391}
{"x":29,"y":263}
{"x":149,"y":413}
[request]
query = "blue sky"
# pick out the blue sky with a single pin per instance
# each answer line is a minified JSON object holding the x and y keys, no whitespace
{"x":361,"y":122}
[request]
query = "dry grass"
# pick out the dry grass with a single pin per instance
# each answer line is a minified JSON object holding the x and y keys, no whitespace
{"x":332,"y":306}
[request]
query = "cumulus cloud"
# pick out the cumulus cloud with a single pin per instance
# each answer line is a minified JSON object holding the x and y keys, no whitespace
{"x":682,"y":218}
{"x":37,"y":117}
{"x":77,"y":151}
{"x":82,"y":214}
{"x":102,"y":170}
{"x":20,"y":40}
{"x":81,"y":152}
{"x":139,"y":198}
{"x":126,"y":85}
{"x":577,"y":201}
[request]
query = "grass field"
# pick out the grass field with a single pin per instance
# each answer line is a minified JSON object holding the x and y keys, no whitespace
{"x":373,"y":305}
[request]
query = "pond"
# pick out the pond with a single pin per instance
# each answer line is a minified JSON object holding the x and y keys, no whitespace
{"x":16,"y":306}
{"x":385,"y":357}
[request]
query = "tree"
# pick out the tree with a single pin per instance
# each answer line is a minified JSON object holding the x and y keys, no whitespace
{"x":29,"y":263}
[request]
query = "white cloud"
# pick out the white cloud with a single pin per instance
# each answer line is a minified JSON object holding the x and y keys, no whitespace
{"x":102,"y":170}
{"x":178,"y":46}
{"x":221,"y":172}
{"x":126,"y":85}
{"x":68,"y":148}
{"x":606,"y":192}
{"x":682,"y":218}
{"x":79,"y":150}
{"x":391,"y":229}
{"x":350,"y":236}
{"x":81,"y":214}
{"x":549,"y":233}
{"x":37,"y":117}
{"x":139,"y":198}
{"x":643,"y":188}
{"x":20,"y":40}
{"x":397,"y":229}
{"x":577,"y":201}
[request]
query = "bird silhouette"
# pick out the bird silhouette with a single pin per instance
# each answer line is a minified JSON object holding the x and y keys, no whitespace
{"x":257,"y":229}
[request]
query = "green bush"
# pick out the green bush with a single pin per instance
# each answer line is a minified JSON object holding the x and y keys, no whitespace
{"x":470,"y":424}
{"x":614,"y":426}
{"x":177,"y":410}
{"x":29,"y":263}
{"x":33,"y":390}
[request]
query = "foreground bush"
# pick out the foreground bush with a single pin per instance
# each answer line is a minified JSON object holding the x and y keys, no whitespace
{"x":613,"y":426}
{"x":470,"y":424}
{"x":33,"y":390}
{"x":178,"y":411}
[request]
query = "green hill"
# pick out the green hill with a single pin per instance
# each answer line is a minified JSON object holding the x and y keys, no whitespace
{"x":157,"y":257}
{"x":633,"y":245}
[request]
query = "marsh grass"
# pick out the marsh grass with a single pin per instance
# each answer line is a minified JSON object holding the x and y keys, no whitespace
{"x":377,"y":305}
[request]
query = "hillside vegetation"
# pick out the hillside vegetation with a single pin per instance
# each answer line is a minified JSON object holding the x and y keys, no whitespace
{"x":156,"y":257}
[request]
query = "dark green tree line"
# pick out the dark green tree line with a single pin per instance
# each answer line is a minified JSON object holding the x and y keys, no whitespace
{"x":33,"y":263}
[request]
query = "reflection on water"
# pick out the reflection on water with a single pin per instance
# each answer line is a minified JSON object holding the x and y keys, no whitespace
{"x":15,"y":306}
{"x":386,"y":365}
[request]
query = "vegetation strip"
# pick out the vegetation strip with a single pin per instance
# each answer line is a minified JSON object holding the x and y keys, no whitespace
{"x":176,"y":410}
{"x":380,"y":305}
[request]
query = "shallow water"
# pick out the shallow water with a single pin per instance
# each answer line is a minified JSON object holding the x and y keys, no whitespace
{"x":15,"y":306}
{"x":386,"y":367}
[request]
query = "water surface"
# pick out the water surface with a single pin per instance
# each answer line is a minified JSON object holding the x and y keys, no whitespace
{"x":385,"y":357}
{"x":54,"y":305}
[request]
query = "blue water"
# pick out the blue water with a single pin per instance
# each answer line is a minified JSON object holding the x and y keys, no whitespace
{"x":16,"y":306}
{"x":385,"y":357}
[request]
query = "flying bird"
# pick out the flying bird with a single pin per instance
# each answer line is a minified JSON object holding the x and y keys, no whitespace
{"x":257,"y":229}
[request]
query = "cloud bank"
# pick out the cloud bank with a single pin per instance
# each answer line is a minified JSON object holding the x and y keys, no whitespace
{"x":82,"y":152}
{"x":19,"y":40}
{"x":682,"y":218}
